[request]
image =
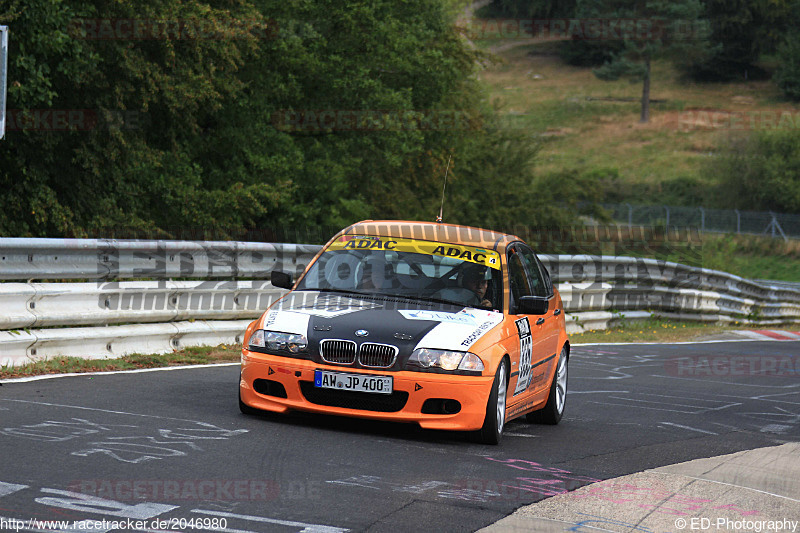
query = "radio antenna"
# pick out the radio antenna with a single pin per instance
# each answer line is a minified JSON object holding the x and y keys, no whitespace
{"x":441,"y":207}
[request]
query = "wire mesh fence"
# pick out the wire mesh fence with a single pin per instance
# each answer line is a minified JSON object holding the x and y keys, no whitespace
{"x":781,"y":225}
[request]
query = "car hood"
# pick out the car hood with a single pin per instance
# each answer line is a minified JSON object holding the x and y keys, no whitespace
{"x":407,"y":324}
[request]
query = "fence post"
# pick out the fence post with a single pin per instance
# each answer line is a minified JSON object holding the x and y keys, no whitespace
{"x":666,"y":225}
{"x":630,"y":216}
{"x":775,"y":227}
{"x":702,"y":220}
{"x":738,"y":222}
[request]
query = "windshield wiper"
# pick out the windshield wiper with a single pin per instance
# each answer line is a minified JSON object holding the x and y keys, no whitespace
{"x":342,"y":291}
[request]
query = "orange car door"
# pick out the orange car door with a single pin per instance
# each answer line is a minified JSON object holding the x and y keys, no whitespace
{"x":531,"y":346}
{"x":547,"y":324}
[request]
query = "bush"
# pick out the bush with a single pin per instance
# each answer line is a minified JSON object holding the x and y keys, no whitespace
{"x":759,"y":172}
{"x":787,"y":75}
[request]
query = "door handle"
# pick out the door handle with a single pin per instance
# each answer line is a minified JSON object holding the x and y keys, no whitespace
{"x":540,"y":322}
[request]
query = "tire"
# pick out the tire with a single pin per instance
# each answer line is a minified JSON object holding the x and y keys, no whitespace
{"x":553,"y":410}
{"x":495,"y":420}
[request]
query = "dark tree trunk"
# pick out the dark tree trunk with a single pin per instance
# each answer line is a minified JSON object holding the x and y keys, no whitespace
{"x":646,"y":92}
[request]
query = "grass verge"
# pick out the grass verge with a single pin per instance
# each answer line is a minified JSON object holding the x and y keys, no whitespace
{"x":654,"y":330}
{"x":68,"y":365}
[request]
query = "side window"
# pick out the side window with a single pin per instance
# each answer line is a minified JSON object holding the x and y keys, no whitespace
{"x":517,"y":277}
{"x":538,"y":284}
{"x":548,"y":283}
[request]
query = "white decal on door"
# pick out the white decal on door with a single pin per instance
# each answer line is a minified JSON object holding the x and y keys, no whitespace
{"x":525,"y":355}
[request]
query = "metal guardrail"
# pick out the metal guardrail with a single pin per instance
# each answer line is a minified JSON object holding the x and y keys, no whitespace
{"x":109,"y":318}
{"x":108,"y":259}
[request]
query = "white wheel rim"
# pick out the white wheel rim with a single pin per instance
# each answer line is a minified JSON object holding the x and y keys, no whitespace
{"x":561,"y":382}
{"x":501,"y":397}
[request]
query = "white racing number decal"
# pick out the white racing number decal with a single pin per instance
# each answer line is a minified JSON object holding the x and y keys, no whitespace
{"x":525,"y":355}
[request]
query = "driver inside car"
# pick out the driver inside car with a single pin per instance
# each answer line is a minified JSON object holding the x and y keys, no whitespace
{"x":476,"y":279}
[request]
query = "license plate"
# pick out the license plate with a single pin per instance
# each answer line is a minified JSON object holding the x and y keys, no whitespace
{"x":353,"y":382}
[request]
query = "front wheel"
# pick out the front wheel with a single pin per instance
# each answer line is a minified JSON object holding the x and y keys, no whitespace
{"x":553,"y":410}
{"x":492,"y":429}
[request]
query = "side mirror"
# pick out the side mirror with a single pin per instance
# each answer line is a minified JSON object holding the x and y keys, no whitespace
{"x":533,"y":305}
{"x":282,"y":280}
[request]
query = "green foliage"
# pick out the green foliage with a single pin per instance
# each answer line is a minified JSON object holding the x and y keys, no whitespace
{"x":759,"y":172}
{"x":737,"y":27}
{"x":751,"y":256}
{"x":541,"y":9}
{"x":142,"y":103}
{"x":787,"y":75}
{"x":219,"y":137}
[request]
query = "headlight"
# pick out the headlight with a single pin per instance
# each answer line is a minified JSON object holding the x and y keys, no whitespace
{"x":428,"y":358}
{"x":275,"y":341}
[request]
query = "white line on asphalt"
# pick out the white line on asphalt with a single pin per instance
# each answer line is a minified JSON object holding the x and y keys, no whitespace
{"x":664,"y":343}
{"x":136,"y":371}
{"x":104,"y":410}
{"x":689,"y":428}
{"x":571,"y":391}
{"x":308,"y":528}
{"x":731,"y":485}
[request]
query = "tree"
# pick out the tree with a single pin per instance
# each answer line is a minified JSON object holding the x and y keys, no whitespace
{"x":649,"y":30}
{"x":739,"y":28}
{"x":270,"y":116}
{"x":787,"y":74}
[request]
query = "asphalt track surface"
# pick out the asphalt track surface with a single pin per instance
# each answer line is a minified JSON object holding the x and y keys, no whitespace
{"x":172,"y":446}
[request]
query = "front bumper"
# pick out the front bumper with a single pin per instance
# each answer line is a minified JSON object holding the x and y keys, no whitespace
{"x":411,"y":390}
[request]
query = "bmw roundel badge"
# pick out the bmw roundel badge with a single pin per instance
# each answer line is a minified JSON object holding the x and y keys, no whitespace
{"x":362,"y":332}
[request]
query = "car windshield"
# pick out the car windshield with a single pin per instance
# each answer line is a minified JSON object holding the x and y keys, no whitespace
{"x":453,"y":273}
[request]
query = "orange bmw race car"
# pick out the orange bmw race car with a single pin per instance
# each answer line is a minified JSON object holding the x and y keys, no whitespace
{"x":450,"y":327}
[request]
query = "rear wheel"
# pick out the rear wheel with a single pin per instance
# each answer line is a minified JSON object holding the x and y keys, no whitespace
{"x":495,"y":420}
{"x":553,"y":410}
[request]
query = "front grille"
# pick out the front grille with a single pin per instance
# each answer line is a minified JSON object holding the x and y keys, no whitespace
{"x":377,"y":355}
{"x":363,"y":401}
{"x":337,"y":351}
